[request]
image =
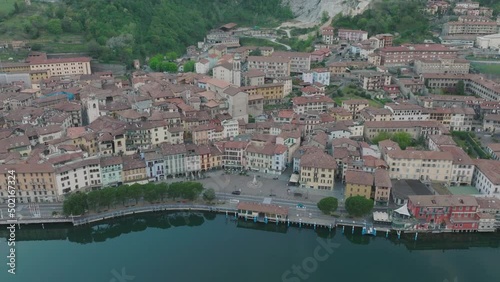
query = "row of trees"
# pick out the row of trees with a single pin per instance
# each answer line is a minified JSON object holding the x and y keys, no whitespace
{"x":106,"y":198}
{"x":356,"y":206}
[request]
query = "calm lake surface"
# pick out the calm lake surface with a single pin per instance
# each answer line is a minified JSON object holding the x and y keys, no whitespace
{"x":209,"y":247}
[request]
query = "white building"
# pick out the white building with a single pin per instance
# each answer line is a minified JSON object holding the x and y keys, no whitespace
{"x":406,"y":111}
{"x":487,"y":177}
{"x":491,"y":41}
{"x":231,"y":128}
{"x":78,"y":175}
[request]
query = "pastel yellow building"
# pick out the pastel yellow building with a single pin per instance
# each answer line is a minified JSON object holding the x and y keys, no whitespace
{"x":358,"y":183}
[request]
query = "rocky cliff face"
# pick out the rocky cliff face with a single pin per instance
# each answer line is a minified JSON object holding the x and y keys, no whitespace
{"x":310,"y":11}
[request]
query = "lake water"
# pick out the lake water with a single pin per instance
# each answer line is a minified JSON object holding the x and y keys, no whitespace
{"x":209,"y":247}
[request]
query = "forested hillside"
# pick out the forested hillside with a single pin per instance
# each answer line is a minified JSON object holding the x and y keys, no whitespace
{"x":406,"y":18}
{"x":125,"y":29}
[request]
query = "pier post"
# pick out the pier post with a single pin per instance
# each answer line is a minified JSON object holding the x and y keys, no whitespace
{"x":387,"y":234}
{"x":43,"y":226}
{"x":246,"y":217}
{"x":399,"y":234}
{"x":254,"y":219}
{"x":226,"y":214}
{"x":343,"y":229}
{"x":265,"y":219}
{"x":288,"y":222}
{"x":416,"y":235}
{"x":277,"y":221}
{"x":330,"y":228}
{"x":315,"y":226}
{"x":353,"y":229}
{"x":235,"y":215}
{"x":300,"y":223}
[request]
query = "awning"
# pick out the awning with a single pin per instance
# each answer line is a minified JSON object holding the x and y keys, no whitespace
{"x":294,"y":178}
{"x":403,"y":210}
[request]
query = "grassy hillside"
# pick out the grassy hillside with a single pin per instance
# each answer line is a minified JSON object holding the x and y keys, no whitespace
{"x":406,"y":18}
{"x":121,"y":30}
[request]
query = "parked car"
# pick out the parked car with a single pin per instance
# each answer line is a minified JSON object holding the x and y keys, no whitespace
{"x":236,"y":193}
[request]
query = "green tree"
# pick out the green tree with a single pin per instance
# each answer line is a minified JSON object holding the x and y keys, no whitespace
{"x":256,"y":52}
{"x":381,"y":137}
{"x":189,"y":66}
{"x":209,"y":195}
{"x":93,"y":200}
{"x":75,"y":204}
{"x":162,"y":189}
{"x":107,"y":197}
{"x":54,"y":26}
{"x":403,"y":139}
{"x":122,"y":194}
{"x":325,"y":16}
{"x":460,"y":87}
{"x":151,"y":194}
{"x":168,"y":67}
{"x":358,"y":205}
{"x":135,"y":192}
{"x":171,"y":56}
{"x":328,"y":205}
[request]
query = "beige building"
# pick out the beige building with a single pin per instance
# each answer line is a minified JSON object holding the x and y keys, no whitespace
{"x":373,"y":80}
{"x":32,"y":182}
{"x":442,"y":66}
{"x":358,"y":183}
{"x":272,"y":66}
{"x":354,"y":106}
{"x":314,"y":103}
{"x":299,"y":61}
{"x":420,"y":165}
{"x":479,"y":28}
{"x":317,"y":171}
{"x":273,"y":92}
{"x":59,"y":66}
{"x":375,"y":114}
{"x":414,"y":128}
{"x":134,"y":170}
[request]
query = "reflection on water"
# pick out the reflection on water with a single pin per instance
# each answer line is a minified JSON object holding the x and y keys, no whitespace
{"x":109,"y":229}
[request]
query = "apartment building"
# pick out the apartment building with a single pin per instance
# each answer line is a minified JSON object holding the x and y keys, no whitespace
{"x":59,"y":66}
{"x":134,"y":170}
{"x":486,"y":177}
{"x":491,"y":123}
{"x":452,"y":66}
{"x":32,"y":182}
{"x":321,"y":75}
{"x":464,"y":28}
{"x":229,"y":72}
{"x":454,"y":119}
{"x":328,"y":35}
{"x":272,"y":66}
{"x":80,"y":175}
{"x":383,"y":187}
{"x":420,"y":165}
{"x":299,"y":61}
{"x":233,"y":154}
{"x":407,"y":112}
{"x":475,"y":85}
{"x":414,"y":128}
{"x":352,"y":35}
{"x":358,"y":183}
{"x":408,"y":53}
{"x":175,"y":157}
{"x":375,"y":114}
{"x":463,"y":165}
{"x":273,"y":93}
{"x":321,"y":104}
{"x":374,"y":80}
{"x":111,"y":171}
{"x":355,"y":106}
{"x":317,"y":170}
{"x":491,"y":41}
{"x":454,"y":212}
{"x":268,"y":158}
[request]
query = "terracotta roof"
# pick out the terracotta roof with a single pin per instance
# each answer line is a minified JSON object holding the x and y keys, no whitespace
{"x":422,"y":155}
{"x":382,"y":178}
{"x":490,"y":168}
{"x":318,"y":159}
{"x":264,"y":208}
{"x":359,"y":177}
